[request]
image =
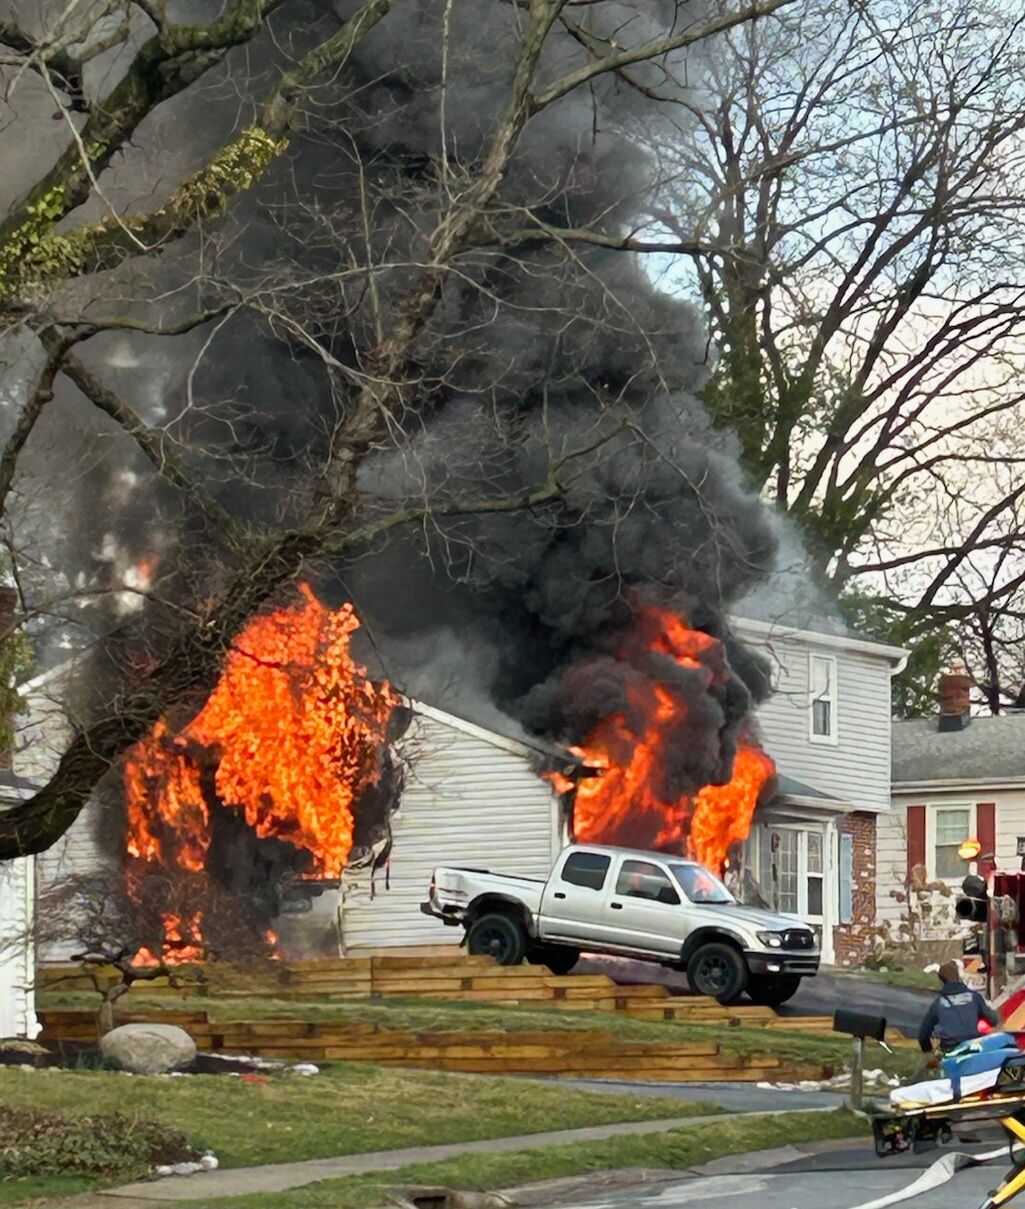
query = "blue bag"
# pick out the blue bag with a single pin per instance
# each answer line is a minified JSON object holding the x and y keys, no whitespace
{"x":977,"y":1056}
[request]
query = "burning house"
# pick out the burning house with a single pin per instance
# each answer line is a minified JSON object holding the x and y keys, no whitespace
{"x":570,"y":634}
{"x":321,"y":798}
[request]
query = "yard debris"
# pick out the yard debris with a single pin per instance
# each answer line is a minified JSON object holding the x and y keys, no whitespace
{"x":875,"y":1080}
{"x":206,"y":1162}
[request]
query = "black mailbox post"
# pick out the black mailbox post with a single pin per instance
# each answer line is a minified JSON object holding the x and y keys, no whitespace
{"x":859,"y":1026}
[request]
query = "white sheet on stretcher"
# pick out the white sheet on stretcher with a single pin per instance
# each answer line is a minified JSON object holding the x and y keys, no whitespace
{"x":936,"y":1091}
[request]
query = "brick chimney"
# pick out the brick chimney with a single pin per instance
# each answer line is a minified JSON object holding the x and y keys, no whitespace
{"x":955,"y":700}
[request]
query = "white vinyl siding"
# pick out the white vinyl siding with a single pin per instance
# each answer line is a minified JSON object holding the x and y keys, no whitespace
{"x":856,"y":768}
{"x":17,"y":973}
{"x":467,"y":801}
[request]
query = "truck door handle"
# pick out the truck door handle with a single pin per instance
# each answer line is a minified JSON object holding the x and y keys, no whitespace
{"x":558,"y":894}
{"x":616,"y":906}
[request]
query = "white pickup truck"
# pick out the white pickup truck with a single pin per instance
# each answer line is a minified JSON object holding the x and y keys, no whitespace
{"x":643,"y":905}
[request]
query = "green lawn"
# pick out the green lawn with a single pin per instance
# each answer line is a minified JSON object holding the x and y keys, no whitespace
{"x":346,"y":1109}
{"x":911,"y":979}
{"x":29,"y":1190}
{"x":832,"y":1052}
{"x":682,"y":1148}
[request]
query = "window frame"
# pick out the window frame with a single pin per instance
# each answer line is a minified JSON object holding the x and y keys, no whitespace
{"x":670,"y":881}
{"x":932,"y":810}
{"x":833,"y":680}
{"x":600,"y":856}
{"x":802,"y":831}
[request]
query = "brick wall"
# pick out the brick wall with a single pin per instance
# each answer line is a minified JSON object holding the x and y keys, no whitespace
{"x":855,"y":941}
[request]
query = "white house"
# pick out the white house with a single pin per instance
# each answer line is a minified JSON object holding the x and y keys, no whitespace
{"x":473,"y":796}
{"x":827,"y":725}
{"x":17,"y":958}
{"x":470,"y":796}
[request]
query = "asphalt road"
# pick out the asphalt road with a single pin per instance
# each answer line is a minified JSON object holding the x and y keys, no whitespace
{"x":818,"y":996}
{"x":842,"y":1178}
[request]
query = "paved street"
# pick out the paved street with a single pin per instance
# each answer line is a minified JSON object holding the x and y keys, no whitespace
{"x":840,"y":1178}
{"x":818,"y":996}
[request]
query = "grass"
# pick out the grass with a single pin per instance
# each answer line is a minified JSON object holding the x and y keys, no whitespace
{"x":915,"y":980}
{"x":28,"y":1190}
{"x":344,"y":1110}
{"x":678,"y":1149}
{"x":419,"y":1015}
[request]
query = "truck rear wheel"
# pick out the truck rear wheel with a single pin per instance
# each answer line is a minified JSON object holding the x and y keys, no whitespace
{"x":718,"y":971}
{"x":499,"y":936}
{"x":772,"y":990}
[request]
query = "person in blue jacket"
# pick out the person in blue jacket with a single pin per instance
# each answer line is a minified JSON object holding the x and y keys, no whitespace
{"x":954,"y":1014}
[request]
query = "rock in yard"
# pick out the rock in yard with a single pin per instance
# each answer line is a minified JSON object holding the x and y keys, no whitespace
{"x":148,"y":1049}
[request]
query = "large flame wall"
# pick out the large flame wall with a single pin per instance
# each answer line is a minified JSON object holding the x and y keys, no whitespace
{"x":295,"y":730}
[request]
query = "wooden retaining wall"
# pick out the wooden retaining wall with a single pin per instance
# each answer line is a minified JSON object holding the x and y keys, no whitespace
{"x":449,"y":977}
{"x":457,"y":978}
{"x":584,"y":1053}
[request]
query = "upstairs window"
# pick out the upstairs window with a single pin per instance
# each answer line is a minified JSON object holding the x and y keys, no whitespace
{"x":822,"y":683}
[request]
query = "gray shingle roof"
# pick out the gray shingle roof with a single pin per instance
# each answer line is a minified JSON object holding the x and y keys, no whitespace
{"x":986,"y":750}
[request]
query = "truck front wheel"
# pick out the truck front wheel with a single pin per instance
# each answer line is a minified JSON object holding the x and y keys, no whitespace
{"x":718,"y":971}
{"x":499,"y":936}
{"x":770,"y":990}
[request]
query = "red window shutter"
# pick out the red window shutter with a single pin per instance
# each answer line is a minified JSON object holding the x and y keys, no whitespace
{"x":986,"y":829}
{"x":916,"y":837}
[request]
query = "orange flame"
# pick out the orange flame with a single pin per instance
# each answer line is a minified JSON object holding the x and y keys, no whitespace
{"x":628,"y":802}
{"x":293,"y":733}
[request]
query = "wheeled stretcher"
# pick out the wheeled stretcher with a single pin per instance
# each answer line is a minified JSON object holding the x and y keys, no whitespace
{"x":917,"y":1119}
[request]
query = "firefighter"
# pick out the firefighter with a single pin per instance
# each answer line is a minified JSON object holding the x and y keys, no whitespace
{"x":955,"y":1013}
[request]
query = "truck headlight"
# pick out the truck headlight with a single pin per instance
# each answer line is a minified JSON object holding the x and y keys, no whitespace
{"x":772,"y":940}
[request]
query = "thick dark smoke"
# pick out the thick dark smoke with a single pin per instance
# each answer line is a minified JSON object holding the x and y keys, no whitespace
{"x":543,"y":360}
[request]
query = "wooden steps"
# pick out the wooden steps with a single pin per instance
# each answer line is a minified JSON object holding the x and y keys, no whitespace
{"x":449,"y":977}
{"x":587,"y":1053}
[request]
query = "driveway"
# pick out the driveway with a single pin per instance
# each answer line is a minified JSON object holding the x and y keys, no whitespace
{"x":818,"y":996}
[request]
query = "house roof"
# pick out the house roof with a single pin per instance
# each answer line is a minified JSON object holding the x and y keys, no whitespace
{"x":789,"y":787}
{"x":522,"y":745}
{"x":751,"y":629}
{"x":987,"y":750}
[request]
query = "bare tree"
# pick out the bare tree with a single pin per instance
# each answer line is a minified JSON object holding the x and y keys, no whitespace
{"x":250,"y":174}
{"x":122,"y":928}
{"x":850,"y":211}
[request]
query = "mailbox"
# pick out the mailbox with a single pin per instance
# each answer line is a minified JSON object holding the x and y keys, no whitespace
{"x":858,"y":1024}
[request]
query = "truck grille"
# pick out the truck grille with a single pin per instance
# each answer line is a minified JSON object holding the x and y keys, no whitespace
{"x":799,"y":938}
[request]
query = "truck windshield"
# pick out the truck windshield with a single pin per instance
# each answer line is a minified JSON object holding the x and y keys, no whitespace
{"x":700,"y":886}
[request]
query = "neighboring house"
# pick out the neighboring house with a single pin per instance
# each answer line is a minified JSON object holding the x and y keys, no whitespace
{"x":812,"y":850}
{"x":955,"y":777}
